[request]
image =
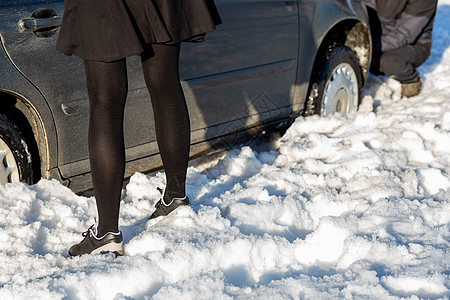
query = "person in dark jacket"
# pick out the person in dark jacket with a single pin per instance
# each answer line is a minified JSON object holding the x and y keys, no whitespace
{"x":401,"y":38}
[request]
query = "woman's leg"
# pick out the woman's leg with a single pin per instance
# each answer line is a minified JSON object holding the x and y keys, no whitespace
{"x":170,"y":114}
{"x":107,"y":90}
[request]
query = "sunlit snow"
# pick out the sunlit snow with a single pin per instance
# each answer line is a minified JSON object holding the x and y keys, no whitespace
{"x":347,"y":207}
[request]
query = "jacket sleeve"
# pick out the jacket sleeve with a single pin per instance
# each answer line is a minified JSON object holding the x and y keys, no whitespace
{"x":408,"y":28}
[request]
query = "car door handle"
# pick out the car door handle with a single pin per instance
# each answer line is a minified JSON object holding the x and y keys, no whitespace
{"x":34,"y":24}
{"x":44,"y":22}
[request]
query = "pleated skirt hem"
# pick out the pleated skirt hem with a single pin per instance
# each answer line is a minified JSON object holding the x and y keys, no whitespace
{"x":109,"y":30}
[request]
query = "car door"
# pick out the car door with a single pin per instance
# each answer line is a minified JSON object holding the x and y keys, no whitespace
{"x":240,"y":77}
{"x":244,"y":73}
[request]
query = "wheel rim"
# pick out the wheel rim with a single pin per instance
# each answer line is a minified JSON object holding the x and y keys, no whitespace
{"x":9,"y":171}
{"x":341,"y":91}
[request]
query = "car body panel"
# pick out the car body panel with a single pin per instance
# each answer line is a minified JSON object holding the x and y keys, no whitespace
{"x":38,"y":111}
{"x":252,"y":70}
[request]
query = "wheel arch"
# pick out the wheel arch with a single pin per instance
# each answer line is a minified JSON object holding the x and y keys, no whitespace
{"x":20,"y":112}
{"x":351,"y":33}
{"x":355,"y":35}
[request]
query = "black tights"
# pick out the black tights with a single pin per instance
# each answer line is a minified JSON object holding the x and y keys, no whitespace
{"x":107,"y":89}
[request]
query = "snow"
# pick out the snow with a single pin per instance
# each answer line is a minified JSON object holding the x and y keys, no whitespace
{"x":347,"y":207}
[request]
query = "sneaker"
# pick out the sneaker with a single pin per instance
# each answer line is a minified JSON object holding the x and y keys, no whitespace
{"x":411,"y":89}
{"x":91,"y":244}
{"x":163,"y":209}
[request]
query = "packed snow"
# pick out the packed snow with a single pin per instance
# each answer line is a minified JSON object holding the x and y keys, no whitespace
{"x":343,"y":207}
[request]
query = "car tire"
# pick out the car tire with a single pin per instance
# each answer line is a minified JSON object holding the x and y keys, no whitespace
{"x":15,"y":160}
{"x":335,"y":83}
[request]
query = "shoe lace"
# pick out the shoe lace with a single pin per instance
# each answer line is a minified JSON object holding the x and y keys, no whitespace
{"x":90,"y":230}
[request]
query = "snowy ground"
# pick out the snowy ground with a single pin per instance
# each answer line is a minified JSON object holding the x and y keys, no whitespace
{"x":355,"y":207}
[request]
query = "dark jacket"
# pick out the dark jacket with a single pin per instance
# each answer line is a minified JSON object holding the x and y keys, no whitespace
{"x":404,"y":22}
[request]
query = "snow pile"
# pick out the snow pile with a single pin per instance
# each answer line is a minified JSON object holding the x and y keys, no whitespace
{"x":355,"y":207}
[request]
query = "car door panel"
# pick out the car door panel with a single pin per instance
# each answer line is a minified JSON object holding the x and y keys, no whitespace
{"x":252,"y":59}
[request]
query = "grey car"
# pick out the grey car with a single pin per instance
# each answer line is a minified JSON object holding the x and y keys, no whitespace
{"x":269,"y":62}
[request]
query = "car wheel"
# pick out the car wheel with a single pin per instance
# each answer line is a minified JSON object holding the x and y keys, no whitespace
{"x":15,"y":160}
{"x":335,"y":84}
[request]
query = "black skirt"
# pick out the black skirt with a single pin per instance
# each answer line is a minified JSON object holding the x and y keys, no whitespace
{"x":108,"y":30}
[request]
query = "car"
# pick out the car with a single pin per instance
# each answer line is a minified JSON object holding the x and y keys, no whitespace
{"x":266,"y":64}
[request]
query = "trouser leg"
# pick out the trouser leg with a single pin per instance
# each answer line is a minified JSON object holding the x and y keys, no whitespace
{"x":402,"y":63}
